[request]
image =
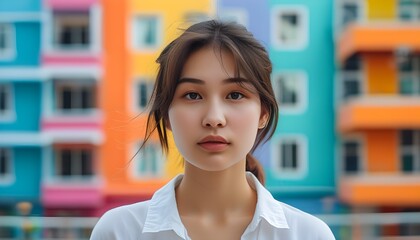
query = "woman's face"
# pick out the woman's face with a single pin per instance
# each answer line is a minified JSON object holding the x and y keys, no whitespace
{"x":214,"y":116}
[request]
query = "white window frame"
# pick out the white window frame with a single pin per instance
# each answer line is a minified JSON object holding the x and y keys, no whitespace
{"x":414,"y":150}
{"x":302,"y":32}
{"x":59,"y":84}
{"x":361,"y":154}
{"x":136,"y":44}
{"x":413,"y":75}
{"x":361,"y":11}
{"x":138,"y":161}
{"x":302,"y":156}
{"x":10,"y":52}
{"x":349,"y":76}
{"x":346,"y":75}
{"x":59,"y":21}
{"x":238,"y":15}
{"x":136,"y":93}
{"x":95,"y":32}
{"x":75,"y":167}
{"x":8,"y":178}
{"x":301,"y":91}
{"x":9,"y":114}
{"x":414,"y":11}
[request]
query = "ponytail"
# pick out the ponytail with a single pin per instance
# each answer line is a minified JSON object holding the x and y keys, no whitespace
{"x":253,"y":166}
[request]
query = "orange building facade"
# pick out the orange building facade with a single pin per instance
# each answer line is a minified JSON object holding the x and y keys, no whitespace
{"x":378,"y":107}
{"x":134,"y":34}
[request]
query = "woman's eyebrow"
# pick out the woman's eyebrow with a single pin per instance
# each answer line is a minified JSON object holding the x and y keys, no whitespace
{"x":201,"y":82}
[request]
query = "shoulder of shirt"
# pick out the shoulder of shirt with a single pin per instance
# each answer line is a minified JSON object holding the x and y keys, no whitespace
{"x":300,"y":220}
{"x":120,"y":221}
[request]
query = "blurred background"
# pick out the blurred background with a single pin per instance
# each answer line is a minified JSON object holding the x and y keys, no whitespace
{"x":76,"y":76}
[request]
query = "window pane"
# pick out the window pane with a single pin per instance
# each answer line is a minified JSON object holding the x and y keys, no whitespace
{"x":66,"y":162}
{"x":289,"y":27}
{"x":351,"y":157}
{"x":284,"y":163}
{"x":152,"y":160}
{"x":289,"y":156}
{"x":66,"y":35}
{"x":143,"y":96}
{"x":350,"y":13}
{"x":84,"y":35}
{"x":3,"y":162}
{"x":87,"y":98}
{"x":407,"y":163}
{"x":351,"y":164}
{"x":146,"y":31}
{"x":294,"y":156}
{"x":72,"y":29}
{"x":66,"y":98}
{"x":87,"y":164}
{"x":353,"y":63}
{"x":407,"y":85}
{"x":3,"y":36}
{"x":351,"y":88}
{"x":288,"y":90}
{"x":407,"y":138}
{"x":3,"y":98}
{"x":406,"y":63}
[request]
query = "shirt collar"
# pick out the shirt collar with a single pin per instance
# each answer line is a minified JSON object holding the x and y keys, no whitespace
{"x":267,"y":207}
{"x":163,"y":212}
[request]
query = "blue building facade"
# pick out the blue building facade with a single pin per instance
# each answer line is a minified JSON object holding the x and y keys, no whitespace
{"x":20,"y":105}
{"x":299,"y":159}
{"x":301,"y":170}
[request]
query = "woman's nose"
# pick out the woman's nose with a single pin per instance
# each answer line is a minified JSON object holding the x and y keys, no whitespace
{"x":214,"y":115}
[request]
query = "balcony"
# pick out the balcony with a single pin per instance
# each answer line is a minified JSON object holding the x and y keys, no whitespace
{"x":72,"y":36}
{"x":73,"y":129}
{"x":70,"y":176}
{"x":77,"y":195}
{"x":363,"y":37}
{"x":366,"y":26}
{"x":379,"y":112}
{"x":395,"y":190}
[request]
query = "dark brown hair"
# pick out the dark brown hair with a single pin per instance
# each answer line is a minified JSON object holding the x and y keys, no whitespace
{"x":251,"y":60}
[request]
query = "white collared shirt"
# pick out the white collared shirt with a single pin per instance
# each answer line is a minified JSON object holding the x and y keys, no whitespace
{"x":158,"y":218}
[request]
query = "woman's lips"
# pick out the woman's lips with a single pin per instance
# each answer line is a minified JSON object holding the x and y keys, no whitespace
{"x":213,"y":143}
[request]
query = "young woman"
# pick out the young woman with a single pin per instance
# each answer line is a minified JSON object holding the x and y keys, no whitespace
{"x":213,"y":91}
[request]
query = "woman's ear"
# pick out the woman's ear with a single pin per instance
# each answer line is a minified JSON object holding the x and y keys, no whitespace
{"x":264,"y":117}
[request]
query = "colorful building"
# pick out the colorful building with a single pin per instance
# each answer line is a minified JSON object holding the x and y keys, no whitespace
{"x":378,"y":110}
{"x":255,"y":17}
{"x":135,"y":33}
{"x":21,"y":141}
{"x":71,"y":116}
{"x":301,"y":168}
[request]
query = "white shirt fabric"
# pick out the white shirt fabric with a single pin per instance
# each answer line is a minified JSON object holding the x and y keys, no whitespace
{"x":158,"y":218}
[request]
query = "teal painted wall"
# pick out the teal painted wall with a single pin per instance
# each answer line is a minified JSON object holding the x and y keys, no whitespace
{"x":27,"y":52}
{"x":27,"y":168}
{"x":27,"y":105}
{"x":20,"y":6}
{"x":316,"y":123}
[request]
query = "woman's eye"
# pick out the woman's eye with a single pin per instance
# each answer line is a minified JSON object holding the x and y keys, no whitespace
{"x":192,"y":96}
{"x":235,"y":95}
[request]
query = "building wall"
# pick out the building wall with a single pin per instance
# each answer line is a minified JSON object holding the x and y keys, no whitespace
{"x":27,"y":107}
{"x":19,"y":133}
{"x":315,"y":121}
{"x":27,"y":168}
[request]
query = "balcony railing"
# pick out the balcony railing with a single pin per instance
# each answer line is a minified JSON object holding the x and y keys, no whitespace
{"x":53,"y":228}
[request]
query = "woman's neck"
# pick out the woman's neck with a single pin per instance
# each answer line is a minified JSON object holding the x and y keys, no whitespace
{"x":218,"y":193}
